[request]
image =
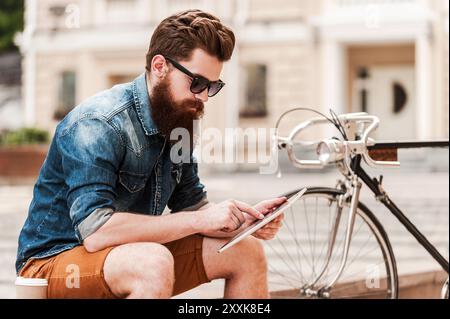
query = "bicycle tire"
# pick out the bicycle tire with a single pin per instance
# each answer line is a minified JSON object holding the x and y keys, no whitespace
{"x":368,"y":218}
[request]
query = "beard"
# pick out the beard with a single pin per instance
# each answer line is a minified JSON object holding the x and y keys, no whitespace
{"x":169,"y":114}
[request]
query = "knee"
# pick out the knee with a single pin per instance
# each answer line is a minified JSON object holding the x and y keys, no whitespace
{"x":152,"y":254}
{"x":252,"y":251}
{"x":155,"y":265}
{"x":142,"y":270}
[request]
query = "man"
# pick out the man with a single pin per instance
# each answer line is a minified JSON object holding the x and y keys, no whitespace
{"x":95,"y":229}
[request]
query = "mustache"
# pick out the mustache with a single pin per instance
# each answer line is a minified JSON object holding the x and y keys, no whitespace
{"x":169,"y":114}
{"x":195,"y":107}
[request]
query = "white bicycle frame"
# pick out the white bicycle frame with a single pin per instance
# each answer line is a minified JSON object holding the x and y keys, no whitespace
{"x":358,"y":127}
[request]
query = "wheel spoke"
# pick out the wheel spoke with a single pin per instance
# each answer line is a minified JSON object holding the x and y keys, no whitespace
{"x":314,"y":239}
{"x":297,"y":245}
{"x":309,"y":237}
{"x":300,"y":266}
{"x":282,"y":259}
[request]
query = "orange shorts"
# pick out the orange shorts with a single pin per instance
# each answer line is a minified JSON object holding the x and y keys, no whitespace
{"x":187,"y":253}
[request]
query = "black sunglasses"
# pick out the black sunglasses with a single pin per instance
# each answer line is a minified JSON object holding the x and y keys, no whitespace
{"x":199,"y":83}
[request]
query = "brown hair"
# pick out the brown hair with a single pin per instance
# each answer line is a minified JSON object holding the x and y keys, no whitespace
{"x":178,"y":35}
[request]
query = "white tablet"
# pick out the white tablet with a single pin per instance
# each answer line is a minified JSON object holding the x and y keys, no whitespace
{"x":260,"y":223}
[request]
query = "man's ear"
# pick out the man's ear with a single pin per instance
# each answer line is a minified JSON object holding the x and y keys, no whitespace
{"x":159,"y":66}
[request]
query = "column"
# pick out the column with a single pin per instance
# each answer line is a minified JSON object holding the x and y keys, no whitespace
{"x":425,"y":107}
{"x":29,"y":51}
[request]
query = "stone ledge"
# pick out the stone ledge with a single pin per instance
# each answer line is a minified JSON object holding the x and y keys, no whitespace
{"x":425,"y":285}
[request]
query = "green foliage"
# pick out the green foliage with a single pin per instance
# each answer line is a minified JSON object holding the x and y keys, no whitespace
{"x":11,"y":21}
{"x":24,"y":136}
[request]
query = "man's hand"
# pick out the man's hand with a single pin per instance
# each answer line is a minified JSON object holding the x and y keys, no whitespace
{"x":270,"y":230}
{"x":264,"y":207}
{"x":227,"y":216}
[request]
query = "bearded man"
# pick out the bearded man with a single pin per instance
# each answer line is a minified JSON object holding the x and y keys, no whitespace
{"x":97,"y":205}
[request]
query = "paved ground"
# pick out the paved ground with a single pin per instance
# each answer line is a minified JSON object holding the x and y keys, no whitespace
{"x":423,"y":196}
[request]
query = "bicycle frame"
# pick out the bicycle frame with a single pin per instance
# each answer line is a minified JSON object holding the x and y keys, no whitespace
{"x":360,"y":146}
{"x":377,"y":189}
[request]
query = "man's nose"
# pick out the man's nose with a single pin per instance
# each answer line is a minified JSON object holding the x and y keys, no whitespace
{"x":202,"y":96}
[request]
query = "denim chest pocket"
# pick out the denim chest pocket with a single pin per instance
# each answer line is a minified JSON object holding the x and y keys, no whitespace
{"x":133,"y":182}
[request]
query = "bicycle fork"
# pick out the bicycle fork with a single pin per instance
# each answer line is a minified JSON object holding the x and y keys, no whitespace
{"x":324,"y":291}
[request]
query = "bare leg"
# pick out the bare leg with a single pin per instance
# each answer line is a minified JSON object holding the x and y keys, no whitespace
{"x":140,"y":270}
{"x":243,"y":266}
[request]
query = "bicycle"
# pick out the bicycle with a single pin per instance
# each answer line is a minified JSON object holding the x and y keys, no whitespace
{"x":314,"y":255}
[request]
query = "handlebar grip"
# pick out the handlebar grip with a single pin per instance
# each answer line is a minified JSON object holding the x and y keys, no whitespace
{"x":373,"y":163}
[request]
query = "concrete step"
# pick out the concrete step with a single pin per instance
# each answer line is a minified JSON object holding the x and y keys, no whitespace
{"x":425,"y":285}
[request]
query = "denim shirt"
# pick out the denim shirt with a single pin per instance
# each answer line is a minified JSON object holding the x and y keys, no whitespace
{"x":106,"y":155}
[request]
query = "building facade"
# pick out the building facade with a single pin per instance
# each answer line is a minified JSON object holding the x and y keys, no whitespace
{"x":386,"y":57}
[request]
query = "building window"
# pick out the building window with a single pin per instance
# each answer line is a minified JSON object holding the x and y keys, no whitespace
{"x":362,"y":83}
{"x":255,"y":96}
{"x":400,"y":97}
{"x":66,"y":94}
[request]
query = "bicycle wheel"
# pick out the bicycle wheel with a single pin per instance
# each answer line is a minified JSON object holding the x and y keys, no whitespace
{"x":300,"y":263}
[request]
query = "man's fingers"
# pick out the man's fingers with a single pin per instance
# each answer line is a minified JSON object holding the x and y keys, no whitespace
{"x":272,"y":225}
{"x":268,"y":205}
{"x":275,"y":229}
{"x":276,"y":226}
{"x":248,"y":209}
{"x":276,"y":202}
{"x":262,"y":232}
{"x":236,"y":224}
{"x":278,"y":219}
{"x":264,"y":236}
{"x":257,"y":236}
{"x":238,"y":215}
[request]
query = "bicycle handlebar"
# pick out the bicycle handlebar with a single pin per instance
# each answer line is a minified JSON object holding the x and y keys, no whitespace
{"x":357,"y":146}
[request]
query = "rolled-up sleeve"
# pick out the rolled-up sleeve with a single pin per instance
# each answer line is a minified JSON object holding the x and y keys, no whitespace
{"x":91,"y":151}
{"x":190,"y":193}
